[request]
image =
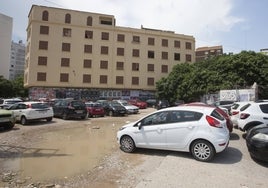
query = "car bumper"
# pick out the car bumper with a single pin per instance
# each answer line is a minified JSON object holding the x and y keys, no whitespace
{"x":258,"y":150}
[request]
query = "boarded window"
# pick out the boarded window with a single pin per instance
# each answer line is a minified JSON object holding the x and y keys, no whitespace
{"x":42,"y":60}
{"x":41,"y":76}
{"x":164,"y":68}
{"x":136,"y":39}
{"x":164,"y":55}
{"x":64,"y":77}
{"x":104,"y":64}
{"x":68,"y":18}
{"x":87,"y":63}
{"x":136,"y":53}
{"x":188,"y":45}
{"x":45,"y":15}
{"x":65,"y":62}
{"x":119,"y":80}
{"x":103,"y":79}
{"x":151,"y":41}
{"x":89,"y":21}
{"x":121,"y":37}
{"x":86,"y":78}
{"x":43,"y":45}
{"x":120,"y":51}
{"x":135,"y":66}
{"x":66,"y":47}
{"x":150,"y":81}
{"x":151,"y":54}
{"x":177,"y":44}
{"x":104,"y":36}
{"x":67,"y":32}
{"x":150,"y":67}
{"x":88,"y":48}
{"x":188,"y":58}
{"x":165,"y":42}
{"x":104,"y":50}
{"x":119,"y":65}
{"x":88,"y":34}
{"x":135,"y":80}
{"x":44,"y":30}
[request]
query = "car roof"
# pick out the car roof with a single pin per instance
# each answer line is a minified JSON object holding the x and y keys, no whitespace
{"x":202,"y":109}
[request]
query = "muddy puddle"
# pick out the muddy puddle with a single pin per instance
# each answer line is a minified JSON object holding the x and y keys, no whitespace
{"x":66,"y":152}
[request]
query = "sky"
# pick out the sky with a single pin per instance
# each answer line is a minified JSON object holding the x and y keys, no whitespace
{"x":235,"y":24}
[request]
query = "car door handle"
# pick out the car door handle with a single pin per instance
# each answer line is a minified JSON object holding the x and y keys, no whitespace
{"x":190,"y":127}
{"x":265,"y":118}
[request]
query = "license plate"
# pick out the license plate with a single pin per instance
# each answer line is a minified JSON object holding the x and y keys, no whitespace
{"x":79,"y":111}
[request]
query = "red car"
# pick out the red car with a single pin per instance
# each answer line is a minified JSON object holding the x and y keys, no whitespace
{"x":138,"y":103}
{"x":229,"y":123}
{"x":95,"y":109}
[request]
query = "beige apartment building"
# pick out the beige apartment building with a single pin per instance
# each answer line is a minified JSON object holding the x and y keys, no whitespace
{"x":85,"y":55}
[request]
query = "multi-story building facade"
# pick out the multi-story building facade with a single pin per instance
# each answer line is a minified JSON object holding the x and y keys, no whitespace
{"x":17,"y":60}
{"x":85,"y":55}
{"x":203,"y":53}
{"x":6,"y":23}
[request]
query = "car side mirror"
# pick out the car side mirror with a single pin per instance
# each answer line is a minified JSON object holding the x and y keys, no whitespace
{"x":139,"y":125}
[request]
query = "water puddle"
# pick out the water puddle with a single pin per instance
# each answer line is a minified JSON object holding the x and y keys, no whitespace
{"x":65,"y":152}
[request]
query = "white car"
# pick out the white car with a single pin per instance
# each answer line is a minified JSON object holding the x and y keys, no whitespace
{"x":202,"y":131}
{"x":131,"y":109}
{"x":29,"y":111}
{"x":253,"y":114}
{"x":235,"y":111}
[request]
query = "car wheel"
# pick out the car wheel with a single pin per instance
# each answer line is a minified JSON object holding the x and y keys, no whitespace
{"x":202,"y":150}
{"x":49,"y":119}
{"x":127,"y":144}
{"x":111,"y":113}
{"x":9,"y":126}
{"x":23,"y":120}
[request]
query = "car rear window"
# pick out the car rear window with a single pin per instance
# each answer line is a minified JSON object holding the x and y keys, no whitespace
{"x":78,"y":103}
{"x":264,"y":108}
{"x":39,"y":105}
{"x":217,"y":115}
{"x":245,"y":107}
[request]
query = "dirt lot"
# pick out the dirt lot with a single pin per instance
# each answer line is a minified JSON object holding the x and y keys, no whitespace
{"x":84,"y":153}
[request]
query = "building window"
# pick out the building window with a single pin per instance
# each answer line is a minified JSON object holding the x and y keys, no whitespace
{"x":135,"y":80}
{"x":119,"y":65}
{"x":104,"y":64}
{"x":136,"y":53}
{"x":86,"y":78}
{"x":89,"y":21}
{"x":136,"y":39}
{"x":120,"y":51}
{"x":188,"y":45}
{"x":119,"y":80}
{"x":121,"y":38}
{"x":67,"y":18}
{"x":104,"y":36}
{"x":43,"y":45}
{"x":87,"y":63}
{"x":164,"y":69}
{"x":150,"y":67}
{"x":103,"y":79}
{"x":88,"y":34}
{"x":45,"y":15}
{"x":177,"y":44}
{"x":135,"y":66}
{"x":106,"y":21}
{"x":88,"y":48}
{"x":67,"y":32}
{"x":42,"y":60}
{"x":64,"y":77}
{"x":150,"y":81}
{"x":177,"y":56}
{"x":44,"y":30}
{"x":151,"y":41}
{"x":66,"y":47}
{"x":65,"y":62}
{"x":164,"y":55}
{"x":41,"y":76}
{"x":165,"y":42}
{"x":188,"y":58}
{"x":151,"y":54}
{"x":104,"y":50}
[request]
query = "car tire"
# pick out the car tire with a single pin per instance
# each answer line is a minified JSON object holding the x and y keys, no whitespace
{"x":23,"y":120}
{"x":49,"y":119}
{"x":202,"y":150}
{"x":127,"y":144}
{"x":9,"y":126}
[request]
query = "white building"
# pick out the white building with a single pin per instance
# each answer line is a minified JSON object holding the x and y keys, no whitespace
{"x":5,"y":44}
{"x":17,"y":60}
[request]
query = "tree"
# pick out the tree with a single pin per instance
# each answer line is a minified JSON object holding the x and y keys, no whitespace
{"x":13,"y":88}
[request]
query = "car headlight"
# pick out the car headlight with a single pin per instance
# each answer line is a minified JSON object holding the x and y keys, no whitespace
{"x":260,"y":137}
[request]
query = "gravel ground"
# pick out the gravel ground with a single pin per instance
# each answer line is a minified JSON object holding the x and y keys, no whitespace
{"x":144,"y":168}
